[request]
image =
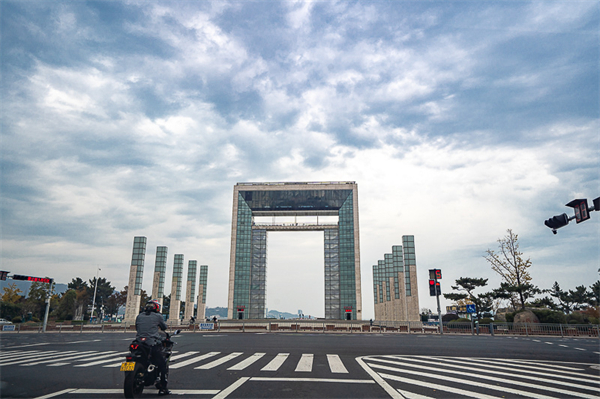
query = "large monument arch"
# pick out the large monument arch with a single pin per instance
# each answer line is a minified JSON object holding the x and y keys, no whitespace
{"x":248,"y":254}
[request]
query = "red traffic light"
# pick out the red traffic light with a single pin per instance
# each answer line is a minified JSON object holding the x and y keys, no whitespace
{"x":31,"y":278}
{"x":581,"y":209}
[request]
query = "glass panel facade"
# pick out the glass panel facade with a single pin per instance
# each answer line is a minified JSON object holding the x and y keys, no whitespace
{"x":137,"y":259}
{"x":346,"y":238}
{"x":202,"y":281}
{"x":258,"y":284}
{"x":389,"y":276}
{"x":177,"y":275}
{"x":295,"y":200}
{"x":243,"y":257}
{"x":332,"y":274}
{"x":410,"y":260}
{"x":192,"y":266}
{"x":397,"y":259}
{"x":249,"y":262}
{"x":160,"y":266}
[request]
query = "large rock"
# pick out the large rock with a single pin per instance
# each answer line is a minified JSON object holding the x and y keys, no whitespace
{"x":526,"y":316}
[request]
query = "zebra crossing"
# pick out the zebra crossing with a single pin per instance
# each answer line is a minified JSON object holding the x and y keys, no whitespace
{"x":423,"y":377}
{"x":234,"y":361}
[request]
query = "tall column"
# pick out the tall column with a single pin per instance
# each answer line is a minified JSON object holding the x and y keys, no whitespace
{"x":136,"y":274}
{"x":160,"y":269}
{"x":202,"y":292}
{"x":190,"y":291}
{"x":176,"y":290}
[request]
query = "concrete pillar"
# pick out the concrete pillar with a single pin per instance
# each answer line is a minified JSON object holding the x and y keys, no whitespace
{"x":136,"y":274}
{"x":201,"y":313}
{"x":190,"y":291}
{"x":176,"y":291}
{"x":160,"y":269}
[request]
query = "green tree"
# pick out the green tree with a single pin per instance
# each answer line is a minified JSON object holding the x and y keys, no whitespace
{"x":595,"y":294}
{"x":483,"y":302}
{"x":115,"y":301}
{"x":77,"y":284}
{"x":580,"y":297}
{"x":67,"y":305}
{"x":11,"y":293}
{"x":565,"y":301}
{"x":509,"y":263}
{"x":102,"y":293}
{"x":36,"y":299}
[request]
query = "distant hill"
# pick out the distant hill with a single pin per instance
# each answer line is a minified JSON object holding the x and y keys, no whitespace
{"x":24,"y":286}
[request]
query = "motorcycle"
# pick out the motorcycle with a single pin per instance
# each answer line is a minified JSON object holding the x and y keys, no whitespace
{"x":138,"y":367}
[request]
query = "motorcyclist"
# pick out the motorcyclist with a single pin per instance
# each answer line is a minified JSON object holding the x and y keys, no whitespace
{"x":147,"y":325}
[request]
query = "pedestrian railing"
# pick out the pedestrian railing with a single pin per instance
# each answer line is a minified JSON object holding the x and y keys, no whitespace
{"x":335,"y":326}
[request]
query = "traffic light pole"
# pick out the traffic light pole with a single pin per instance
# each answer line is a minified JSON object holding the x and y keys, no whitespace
{"x":437,"y":297}
{"x":48,"y":296}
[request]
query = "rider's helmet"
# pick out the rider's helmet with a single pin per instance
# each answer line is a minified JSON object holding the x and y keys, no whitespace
{"x":153,"y":306}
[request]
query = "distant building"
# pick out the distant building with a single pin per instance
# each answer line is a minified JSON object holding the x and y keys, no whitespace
{"x":395,"y":291}
{"x":248,"y":256}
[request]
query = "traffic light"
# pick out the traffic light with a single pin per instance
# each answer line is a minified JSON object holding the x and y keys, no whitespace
{"x":438,"y":288}
{"x":31,"y":278}
{"x":432,"y":289}
{"x":581,"y":209}
{"x":557,"y":222}
{"x":3,"y":275}
{"x":438,"y":274}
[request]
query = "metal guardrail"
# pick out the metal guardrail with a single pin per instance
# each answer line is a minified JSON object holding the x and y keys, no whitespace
{"x":336,"y":326}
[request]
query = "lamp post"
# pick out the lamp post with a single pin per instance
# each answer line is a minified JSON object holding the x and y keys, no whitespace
{"x":95,"y":290}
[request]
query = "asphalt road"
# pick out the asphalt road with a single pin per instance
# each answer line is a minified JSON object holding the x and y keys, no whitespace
{"x":298,"y":365}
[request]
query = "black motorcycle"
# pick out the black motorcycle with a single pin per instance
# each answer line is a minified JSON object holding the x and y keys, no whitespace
{"x":138,"y":367}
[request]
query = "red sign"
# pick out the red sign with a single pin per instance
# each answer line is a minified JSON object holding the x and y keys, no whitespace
{"x":31,"y":278}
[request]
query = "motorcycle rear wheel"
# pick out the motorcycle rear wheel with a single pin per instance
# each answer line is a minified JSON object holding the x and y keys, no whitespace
{"x":134,"y":382}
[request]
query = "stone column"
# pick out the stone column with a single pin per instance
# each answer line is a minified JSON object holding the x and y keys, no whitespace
{"x":160,"y":269}
{"x":201,"y":313}
{"x":136,"y":274}
{"x":176,"y":291}
{"x":190,"y":291}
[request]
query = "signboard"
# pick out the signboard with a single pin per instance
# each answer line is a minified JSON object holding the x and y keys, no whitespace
{"x":31,"y":278}
{"x":470,"y":308}
{"x":207,"y":326}
{"x":8,"y":327}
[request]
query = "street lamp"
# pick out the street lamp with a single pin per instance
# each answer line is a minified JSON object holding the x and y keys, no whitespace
{"x":95,"y":290}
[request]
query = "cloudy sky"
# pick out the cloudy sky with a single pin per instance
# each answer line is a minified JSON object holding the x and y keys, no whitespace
{"x":457,"y":120}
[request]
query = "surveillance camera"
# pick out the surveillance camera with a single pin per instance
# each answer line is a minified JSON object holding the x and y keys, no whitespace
{"x":554,"y":231}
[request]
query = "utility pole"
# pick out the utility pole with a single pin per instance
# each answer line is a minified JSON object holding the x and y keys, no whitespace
{"x":95,"y":290}
{"x":48,"y":296}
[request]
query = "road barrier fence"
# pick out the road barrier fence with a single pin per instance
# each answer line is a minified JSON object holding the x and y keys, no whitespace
{"x":333,"y":326}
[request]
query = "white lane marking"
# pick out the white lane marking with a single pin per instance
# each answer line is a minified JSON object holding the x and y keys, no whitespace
{"x":546,"y":365}
{"x":191,"y":361}
{"x":225,"y":392}
{"x":549,"y":343}
{"x":437,"y":387}
{"x":80,"y":342}
{"x":377,"y":378}
{"x":430,"y":366}
{"x":182,"y":355}
{"x":91,"y":391}
{"x":61,"y":358}
{"x":292,"y":379}
{"x":486,"y":364}
{"x":580,"y":349}
{"x":111,"y":359}
{"x":218,"y":362}
{"x":51,"y":395}
{"x":564,"y":346}
{"x":411,"y":395}
{"x":305,"y":363}
{"x":336,"y":365}
{"x":247,"y":362}
{"x":31,"y":358}
{"x":104,"y":355}
{"x":536,"y":340}
{"x":27,"y":346}
{"x":12,"y":354}
{"x":276,"y":362}
{"x":484,"y":385}
{"x":58,"y":364}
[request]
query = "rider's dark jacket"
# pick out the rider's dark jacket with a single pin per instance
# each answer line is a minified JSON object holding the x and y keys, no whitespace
{"x":147,"y":326}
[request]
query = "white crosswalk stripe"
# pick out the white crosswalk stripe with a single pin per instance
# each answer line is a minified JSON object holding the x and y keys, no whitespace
{"x":493,"y":378}
{"x":276,"y":363}
{"x":306,"y":362}
{"x":112,"y":359}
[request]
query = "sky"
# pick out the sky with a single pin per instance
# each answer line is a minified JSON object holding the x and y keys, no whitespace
{"x":458,"y":120}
